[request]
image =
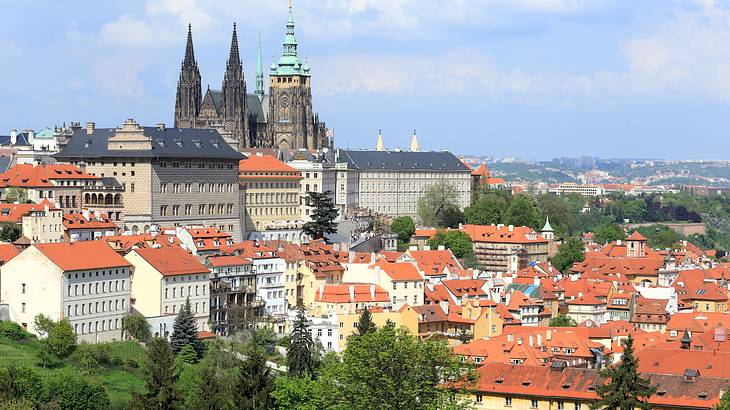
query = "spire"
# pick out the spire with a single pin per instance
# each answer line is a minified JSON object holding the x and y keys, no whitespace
{"x":259,"y":74}
{"x":547,"y":227}
{"x":233,"y":58}
{"x":414,"y":143}
{"x":189,"y":59}
{"x":289,"y":63}
{"x":379,"y":145}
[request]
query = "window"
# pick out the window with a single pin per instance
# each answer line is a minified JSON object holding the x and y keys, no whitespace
{"x":533,"y":404}
{"x":22,"y":288}
{"x":561,"y":405}
{"x":479,"y":398}
{"x":507,"y":401}
{"x":577,"y":406}
{"x":22,"y":307}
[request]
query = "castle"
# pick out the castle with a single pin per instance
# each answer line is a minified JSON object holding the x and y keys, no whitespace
{"x":281,"y":119}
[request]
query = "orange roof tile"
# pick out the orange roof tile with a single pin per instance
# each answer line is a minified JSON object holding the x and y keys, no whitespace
{"x":172,"y":261}
{"x":399,"y":272}
{"x":264,"y":163}
{"x":636,"y":236}
{"x":7,"y":252}
{"x":361,"y":293}
{"x":14,"y":213}
{"x":502,"y":234}
{"x":82,"y":255}
{"x":78,"y":221}
{"x":37,"y":176}
{"x":228,"y":260}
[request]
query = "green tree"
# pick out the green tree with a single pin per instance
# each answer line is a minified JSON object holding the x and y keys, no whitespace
{"x":10,"y":232}
{"x":439,"y":205}
{"x":392,"y":369}
{"x":365,"y":324}
{"x":16,"y":195}
{"x":323,"y":215}
{"x":522,"y":212}
{"x":404,"y":227}
{"x":562,"y":321}
{"x":300,"y":393}
{"x":570,"y":252}
{"x":188,"y":355}
{"x":457,"y":241}
{"x":67,"y":390}
{"x":255,"y":383}
{"x":724,"y":403}
{"x":20,"y":383}
{"x":624,"y":389}
{"x":486,"y":210}
{"x":162,"y":375}
{"x":210,"y":390}
{"x":136,"y":326}
{"x":185,"y":331}
{"x":608,"y":232}
{"x":301,"y":347}
{"x":465,"y":336}
{"x":558,"y":209}
{"x":59,"y":341}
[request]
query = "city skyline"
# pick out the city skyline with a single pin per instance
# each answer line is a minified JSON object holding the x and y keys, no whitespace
{"x":563,"y":77}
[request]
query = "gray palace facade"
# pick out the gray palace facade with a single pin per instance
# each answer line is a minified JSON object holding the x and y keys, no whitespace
{"x":283,"y":118}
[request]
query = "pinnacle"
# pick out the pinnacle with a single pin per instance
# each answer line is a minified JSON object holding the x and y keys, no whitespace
{"x":234,"y":58}
{"x":189,"y":52}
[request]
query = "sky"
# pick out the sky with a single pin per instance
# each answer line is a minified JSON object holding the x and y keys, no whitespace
{"x":531,"y":79}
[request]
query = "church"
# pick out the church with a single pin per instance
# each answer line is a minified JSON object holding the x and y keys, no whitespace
{"x":283,"y":118}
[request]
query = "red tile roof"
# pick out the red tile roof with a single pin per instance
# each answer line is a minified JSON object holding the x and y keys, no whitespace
{"x":172,"y":261}
{"x":502,"y":234}
{"x":425,"y":233}
{"x":40,"y":176}
{"x":127,"y":242}
{"x":636,"y":236}
{"x":226,"y":260}
{"x":399,"y":272}
{"x":82,"y":255}
{"x":78,"y":221}
{"x":264,"y":163}
{"x":7,"y":252}
{"x":433,"y":262}
{"x":14,"y":213}
{"x":361,"y":293}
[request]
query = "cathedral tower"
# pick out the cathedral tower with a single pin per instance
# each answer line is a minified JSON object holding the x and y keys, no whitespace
{"x":188,"y":97}
{"x":291,"y":118}
{"x":233,"y":104}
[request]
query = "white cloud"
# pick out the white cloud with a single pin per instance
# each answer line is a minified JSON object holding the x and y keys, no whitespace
{"x":186,"y":11}
{"x":120,"y":76}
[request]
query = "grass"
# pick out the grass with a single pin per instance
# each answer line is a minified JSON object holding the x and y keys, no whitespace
{"x":118,"y":380}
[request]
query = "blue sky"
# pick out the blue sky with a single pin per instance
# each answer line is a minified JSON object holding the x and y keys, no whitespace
{"x":533,"y":79}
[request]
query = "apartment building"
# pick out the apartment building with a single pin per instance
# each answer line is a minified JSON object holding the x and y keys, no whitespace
{"x":170,"y":176}
{"x":318,"y":175}
{"x":85,"y":282}
{"x":391,"y":182}
{"x":164,"y":278}
{"x":233,"y":300}
{"x":39,"y":223}
{"x":500,"y":248}
{"x":273,"y":197}
{"x":60,"y":183}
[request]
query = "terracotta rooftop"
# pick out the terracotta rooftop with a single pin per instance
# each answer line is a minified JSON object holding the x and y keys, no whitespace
{"x":82,"y":255}
{"x":172,"y":261}
{"x":502,"y":234}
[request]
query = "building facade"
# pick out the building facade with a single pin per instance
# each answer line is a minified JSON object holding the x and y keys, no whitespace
{"x":171,"y":176}
{"x":500,"y":248}
{"x":392,"y":182}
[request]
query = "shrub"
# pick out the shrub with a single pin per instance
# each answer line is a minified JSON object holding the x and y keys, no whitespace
{"x":13,"y":331}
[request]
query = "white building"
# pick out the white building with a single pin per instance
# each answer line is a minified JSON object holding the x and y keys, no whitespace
{"x":85,"y":282}
{"x":318,"y":175}
{"x":270,"y":287}
{"x":324,"y":329}
{"x":164,"y":278}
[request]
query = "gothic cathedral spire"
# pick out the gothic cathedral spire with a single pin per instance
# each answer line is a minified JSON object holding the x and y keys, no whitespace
{"x":259,"y":74}
{"x":188,"y":97}
{"x":234,"y":95}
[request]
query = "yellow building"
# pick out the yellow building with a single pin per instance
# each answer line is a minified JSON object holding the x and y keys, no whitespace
{"x":348,"y":298}
{"x":405,"y":317}
{"x":272,"y":191}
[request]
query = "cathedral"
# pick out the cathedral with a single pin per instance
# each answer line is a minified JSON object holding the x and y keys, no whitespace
{"x":281,"y":119}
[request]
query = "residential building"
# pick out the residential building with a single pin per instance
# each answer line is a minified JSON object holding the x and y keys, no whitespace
{"x":171,"y":176}
{"x":587,"y":307}
{"x":60,"y":183}
{"x":402,"y":280}
{"x":347,"y":186}
{"x":85,"y":282}
{"x":348,"y":298}
{"x":500,"y":248}
{"x":318,"y":175}
{"x":164,"y":279}
{"x":39,"y":223}
{"x":87,"y":226}
{"x":272,"y":192}
{"x":202,"y":241}
{"x":391,"y":182}
{"x":233,"y":301}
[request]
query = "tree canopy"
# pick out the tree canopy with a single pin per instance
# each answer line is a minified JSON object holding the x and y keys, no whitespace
{"x":457,"y":241}
{"x":439,"y":205}
{"x":404,"y":227}
{"x":323,"y":215}
{"x":185,"y":331}
{"x":522,"y":211}
{"x":365,"y":324}
{"x":608,"y":232}
{"x":570,"y":252}
{"x":301,"y":347}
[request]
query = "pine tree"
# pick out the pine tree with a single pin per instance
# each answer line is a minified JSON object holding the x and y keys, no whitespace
{"x":365,"y":324}
{"x":626,"y":390}
{"x":323,"y":215}
{"x":185,"y":332}
{"x":255,"y":383}
{"x":162,"y":376}
{"x":299,"y":355}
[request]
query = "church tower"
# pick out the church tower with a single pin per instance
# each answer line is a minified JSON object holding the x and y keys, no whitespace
{"x":233,"y":104}
{"x":188,"y":97}
{"x":291,"y":118}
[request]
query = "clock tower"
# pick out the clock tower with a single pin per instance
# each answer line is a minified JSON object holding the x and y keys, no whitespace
{"x":292,"y":122}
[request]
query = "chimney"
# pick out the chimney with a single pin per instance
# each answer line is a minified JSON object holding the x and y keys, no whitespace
{"x":31,"y":136}
{"x":539,"y":340}
{"x":511,"y":228}
{"x":510,"y":337}
{"x":536,"y":281}
{"x":85,"y":213}
{"x":161,"y":126}
{"x":321,"y":290}
{"x":13,"y":136}
{"x":441,"y":247}
{"x":90,"y":126}
{"x":352,"y":293}
{"x":618,"y":242}
{"x":531,"y":341}
{"x":519,"y":341}
{"x":372,"y":292}
{"x":548,"y":335}
{"x":426,"y":248}
{"x":444,"y":306}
